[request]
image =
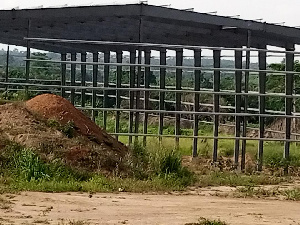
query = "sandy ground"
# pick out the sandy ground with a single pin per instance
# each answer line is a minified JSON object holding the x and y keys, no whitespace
{"x":125,"y":208}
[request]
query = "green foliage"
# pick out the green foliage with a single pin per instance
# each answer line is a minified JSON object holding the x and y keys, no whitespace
{"x":73,"y":222}
{"x":22,"y":169}
{"x":251,"y":191}
{"x":21,"y":95}
{"x":233,"y":179}
{"x":26,"y":165}
{"x":292,"y":194}
{"x":204,"y":221}
{"x":159,"y":162}
{"x":43,"y":70}
{"x":68,"y":129}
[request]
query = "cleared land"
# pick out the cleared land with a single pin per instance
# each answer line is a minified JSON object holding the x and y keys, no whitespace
{"x":123,"y":208}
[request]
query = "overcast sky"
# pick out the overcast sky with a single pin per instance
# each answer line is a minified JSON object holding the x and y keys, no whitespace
{"x":272,"y":11}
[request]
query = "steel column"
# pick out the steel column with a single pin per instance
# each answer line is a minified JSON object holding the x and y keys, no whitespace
{"x":73,"y":77}
{"x":63,"y":74}
{"x":197,"y":73}
{"x":217,"y":64}
{"x":244,"y":142}
{"x":131,"y":93}
{"x":83,"y":79}
{"x":28,"y":54}
{"x":289,"y":87}
{"x":94,"y":81}
{"x":238,"y":104}
{"x":179,"y":62}
{"x":7,"y":71}
{"x":118,"y":92}
{"x":162,"y":85}
{"x":106,"y":85}
{"x":262,"y":63}
{"x":146,"y":93}
{"x":138,"y":96}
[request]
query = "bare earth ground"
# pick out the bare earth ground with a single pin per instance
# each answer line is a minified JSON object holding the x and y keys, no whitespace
{"x":126,"y":208}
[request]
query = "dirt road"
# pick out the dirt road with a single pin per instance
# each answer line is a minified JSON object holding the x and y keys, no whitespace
{"x":124,"y":208}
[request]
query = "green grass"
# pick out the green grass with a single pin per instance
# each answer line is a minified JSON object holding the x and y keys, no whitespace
{"x":234,"y":179}
{"x":155,"y":170}
{"x":204,"y":221}
{"x":251,"y":191}
{"x":73,"y":222}
{"x":152,"y":169}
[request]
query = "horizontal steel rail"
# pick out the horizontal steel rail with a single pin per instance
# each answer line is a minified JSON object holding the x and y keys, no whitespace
{"x":206,"y":137}
{"x":154,"y":100}
{"x":188,"y":112}
{"x":165,"y":66}
{"x":165,"y":46}
{"x":152,"y":90}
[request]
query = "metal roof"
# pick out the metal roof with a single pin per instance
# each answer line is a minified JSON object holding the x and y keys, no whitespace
{"x":136,"y":23}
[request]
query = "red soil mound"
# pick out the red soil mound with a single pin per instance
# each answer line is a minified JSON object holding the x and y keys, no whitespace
{"x":51,"y":106}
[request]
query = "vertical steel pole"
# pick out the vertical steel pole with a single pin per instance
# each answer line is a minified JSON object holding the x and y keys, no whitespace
{"x":63,"y":57}
{"x":95,"y":84}
{"x":7,"y":72}
{"x":217,"y":73}
{"x":162,"y":94}
{"x":138,"y":96}
{"x":83,"y":79}
{"x":27,"y":66}
{"x":146,"y":94}
{"x":179,"y":62}
{"x":262,"y":64}
{"x":106,"y":85}
{"x":73,"y":77}
{"x":131,"y":93}
{"x":197,"y":73}
{"x":118,"y":92}
{"x":238,"y":104}
{"x":289,"y":81}
{"x":244,"y":142}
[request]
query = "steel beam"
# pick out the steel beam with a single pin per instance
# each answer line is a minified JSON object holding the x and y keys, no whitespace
{"x":63,"y":74}
{"x":106,"y":85}
{"x":246,"y":90}
{"x":217,"y":64}
{"x":83,"y":79}
{"x":289,"y":87}
{"x":138,"y":96}
{"x":94,"y":81}
{"x":7,"y":72}
{"x":238,"y":105}
{"x":262,"y":61}
{"x":162,"y":85}
{"x":179,"y":62}
{"x":27,"y":63}
{"x":197,"y":73}
{"x":118,"y":92}
{"x":73,"y":77}
{"x":132,"y":84}
{"x":146,"y":94}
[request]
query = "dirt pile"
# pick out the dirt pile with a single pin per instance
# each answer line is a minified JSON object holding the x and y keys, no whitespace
{"x":91,"y":149}
{"x":51,"y":106}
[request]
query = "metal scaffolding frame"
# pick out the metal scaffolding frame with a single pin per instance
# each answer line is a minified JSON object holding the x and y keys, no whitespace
{"x":140,"y":29}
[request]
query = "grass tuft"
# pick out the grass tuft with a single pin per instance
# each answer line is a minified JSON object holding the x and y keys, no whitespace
{"x":204,"y":221}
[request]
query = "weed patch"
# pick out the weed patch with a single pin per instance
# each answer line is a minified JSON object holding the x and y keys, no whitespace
{"x":68,"y":129}
{"x":250,"y":191}
{"x":204,"y":221}
{"x":23,"y":170}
